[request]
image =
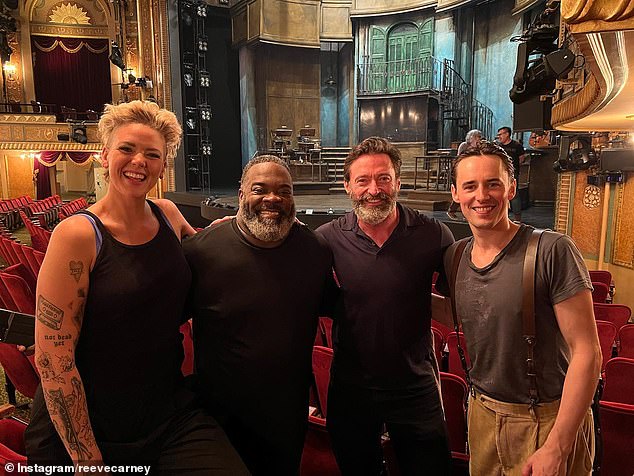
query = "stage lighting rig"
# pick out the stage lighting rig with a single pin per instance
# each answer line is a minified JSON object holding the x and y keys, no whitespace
{"x":78,"y":133}
{"x":116,"y":57}
{"x":575,"y":153}
{"x":539,"y":61}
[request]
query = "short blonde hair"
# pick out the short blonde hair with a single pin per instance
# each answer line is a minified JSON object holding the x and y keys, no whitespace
{"x":142,"y":112}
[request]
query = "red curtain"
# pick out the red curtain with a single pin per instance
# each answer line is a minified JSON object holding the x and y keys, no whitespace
{"x":72,"y":72}
{"x":50,"y":157}
{"x":42,"y":178}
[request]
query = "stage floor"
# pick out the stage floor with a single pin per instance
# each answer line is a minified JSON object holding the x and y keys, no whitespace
{"x":539,"y":217}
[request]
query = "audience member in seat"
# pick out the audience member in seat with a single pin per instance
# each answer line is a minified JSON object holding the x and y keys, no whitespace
{"x":515,"y":427}
{"x":110,"y":299}
{"x":257,"y":289}
{"x":384,"y":370}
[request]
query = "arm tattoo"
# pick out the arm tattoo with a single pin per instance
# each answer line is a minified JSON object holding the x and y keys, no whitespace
{"x":47,"y":370}
{"x":69,"y":408}
{"x":76,"y":269}
{"x":78,"y":315}
{"x":48,"y":313}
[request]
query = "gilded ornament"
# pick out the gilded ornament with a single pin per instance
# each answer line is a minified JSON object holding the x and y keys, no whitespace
{"x":69,"y":13}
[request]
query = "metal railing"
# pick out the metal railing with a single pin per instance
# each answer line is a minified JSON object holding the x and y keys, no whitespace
{"x":461,"y":112}
{"x":402,"y":76}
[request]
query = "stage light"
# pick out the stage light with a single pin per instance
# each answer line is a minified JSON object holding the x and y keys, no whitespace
{"x":61,"y":136}
{"x":79,"y":134}
{"x":116,"y":57}
{"x":205,"y":114}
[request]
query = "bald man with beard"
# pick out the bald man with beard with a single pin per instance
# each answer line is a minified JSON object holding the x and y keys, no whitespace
{"x":259,"y":282}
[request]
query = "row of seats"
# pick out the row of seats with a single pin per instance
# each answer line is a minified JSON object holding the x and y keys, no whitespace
{"x":67,"y":209}
{"x":44,"y":212}
{"x":10,"y":211}
{"x":318,"y":457}
{"x":39,"y":236}
{"x":14,"y":253}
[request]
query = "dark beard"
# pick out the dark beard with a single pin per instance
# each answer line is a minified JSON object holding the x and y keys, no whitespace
{"x":376,"y":214}
{"x":267,"y":229}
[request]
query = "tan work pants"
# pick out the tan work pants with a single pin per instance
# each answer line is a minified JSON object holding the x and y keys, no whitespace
{"x":503,"y":435}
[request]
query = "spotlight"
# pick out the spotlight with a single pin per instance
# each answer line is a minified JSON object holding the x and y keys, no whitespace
{"x":201,"y":10}
{"x":189,"y":79}
{"x":206,"y":148}
{"x":205,"y":114}
{"x":63,"y":137}
{"x":79,"y":134}
{"x":205,"y":80}
{"x":116,"y":57}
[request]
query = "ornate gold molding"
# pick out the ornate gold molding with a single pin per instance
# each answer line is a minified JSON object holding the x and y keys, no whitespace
{"x":623,"y":250}
{"x":563,"y":202}
{"x":577,"y":11}
{"x":578,"y":105}
{"x":585,"y":16}
{"x":70,"y":146}
{"x":14,"y":86}
{"x":362,"y":8}
{"x":26,"y":118}
{"x":163,"y":86}
{"x":36,"y":133}
{"x":69,"y":31}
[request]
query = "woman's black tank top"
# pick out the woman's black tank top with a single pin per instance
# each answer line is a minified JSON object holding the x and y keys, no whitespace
{"x":130,"y":349}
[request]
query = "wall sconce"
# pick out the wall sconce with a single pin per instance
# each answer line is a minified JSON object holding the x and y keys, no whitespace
{"x":31,"y":156}
{"x":10,"y":70}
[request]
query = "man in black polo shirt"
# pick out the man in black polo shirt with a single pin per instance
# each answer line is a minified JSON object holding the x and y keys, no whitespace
{"x":515,"y":150}
{"x":384,"y":371}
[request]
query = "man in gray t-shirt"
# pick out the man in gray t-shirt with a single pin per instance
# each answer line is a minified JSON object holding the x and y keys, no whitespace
{"x":507,"y":433}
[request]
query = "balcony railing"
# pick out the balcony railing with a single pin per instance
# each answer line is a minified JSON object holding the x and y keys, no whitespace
{"x":460,"y":111}
{"x":403,"y":76}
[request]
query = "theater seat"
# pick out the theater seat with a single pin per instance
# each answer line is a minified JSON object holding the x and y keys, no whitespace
{"x":607,"y":336}
{"x":318,"y":458}
{"x":626,"y":341}
{"x":11,"y":445}
{"x":619,"y":381}
{"x":600,"y":292}
{"x":617,"y":427}
{"x":454,"y":363}
{"x":617,"y":314}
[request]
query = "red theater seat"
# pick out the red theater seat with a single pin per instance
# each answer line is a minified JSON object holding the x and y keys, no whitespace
{"x":619,"y":381}
{"x":617,"y":427}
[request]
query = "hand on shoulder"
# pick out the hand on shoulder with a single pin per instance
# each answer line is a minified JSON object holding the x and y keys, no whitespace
{"x":181,"y":227}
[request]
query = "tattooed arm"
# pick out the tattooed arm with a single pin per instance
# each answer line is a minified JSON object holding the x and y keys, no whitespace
{"x":62,"y":288}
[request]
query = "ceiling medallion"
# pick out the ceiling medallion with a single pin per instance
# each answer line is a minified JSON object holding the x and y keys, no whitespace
{"x":69,"y":14}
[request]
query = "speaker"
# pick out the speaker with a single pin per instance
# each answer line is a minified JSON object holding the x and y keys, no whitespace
{"x":617,"y":159}
{"x":532,"y":115}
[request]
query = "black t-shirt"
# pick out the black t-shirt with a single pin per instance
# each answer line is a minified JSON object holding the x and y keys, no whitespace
{"x":255,"y":316}
{"x":382,"y":322}
{"x":514,"y":149}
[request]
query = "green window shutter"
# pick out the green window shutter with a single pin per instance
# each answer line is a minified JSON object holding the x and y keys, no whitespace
{"x":376,"y":68}
{"x":426,"y":44}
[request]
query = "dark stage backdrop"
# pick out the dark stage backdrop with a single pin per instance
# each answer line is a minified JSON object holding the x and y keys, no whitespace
{"x":72,"y":72}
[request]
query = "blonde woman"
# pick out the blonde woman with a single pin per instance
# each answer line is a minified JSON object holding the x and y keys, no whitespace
{"x":110,"y":300}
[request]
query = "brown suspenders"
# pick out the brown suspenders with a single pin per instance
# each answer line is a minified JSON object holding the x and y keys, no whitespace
{"x":528,"y":309}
